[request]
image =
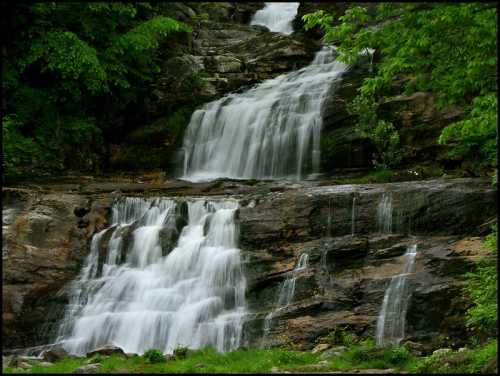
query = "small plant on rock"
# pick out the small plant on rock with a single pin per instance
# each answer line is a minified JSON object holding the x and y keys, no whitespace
{"x":154,"y":356}
{"x":181,"y":352}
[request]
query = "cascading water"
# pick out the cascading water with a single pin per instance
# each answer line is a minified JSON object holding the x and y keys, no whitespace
{"x":384,"y":214}
{"x":329,"y":219}
{"x":392,"y":318}
{"x":139,"y":296}
{"x":353,"y":216}
{"x":268,"y":132}
{"x":276,"y":17}
{"x":286,"y":293}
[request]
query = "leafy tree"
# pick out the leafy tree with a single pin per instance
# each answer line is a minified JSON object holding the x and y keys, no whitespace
{"x":71,"y":71}
{"x":446,"y":48}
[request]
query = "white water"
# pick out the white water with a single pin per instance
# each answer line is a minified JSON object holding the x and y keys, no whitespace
{"x":330,"y":215}
{"x":194,"y":296}
{"x":286,"y":293}
{"x":384,"y":214}
{"x":268,"y":132}
{"x":276,"y":17}
{"x":353,"y":216}
{"x":392,"y":318}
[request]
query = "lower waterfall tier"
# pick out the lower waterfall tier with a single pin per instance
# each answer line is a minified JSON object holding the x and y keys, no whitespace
{"x":163,"y":275}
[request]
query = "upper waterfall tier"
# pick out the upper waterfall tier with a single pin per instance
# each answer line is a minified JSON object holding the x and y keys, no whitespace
{"x":277,"y":17}
{"x":271,"y":131}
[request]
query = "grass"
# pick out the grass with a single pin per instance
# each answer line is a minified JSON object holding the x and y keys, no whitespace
{"x":366,"y":355}
{"x":201,"y":361}
{"x":362,"y":355}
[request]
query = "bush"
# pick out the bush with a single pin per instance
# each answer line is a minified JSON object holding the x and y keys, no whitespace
{"x":482,"y":318}
{"x":382,"y":134}
{"x":340,"y":336}
{"x":154,"y":356}
{"x":181,"y":352}
{"x":398,"y":355}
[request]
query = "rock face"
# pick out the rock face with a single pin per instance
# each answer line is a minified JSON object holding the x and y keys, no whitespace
{"x":344,"y":284}
{"x":222,"y":55}
{"x":45,"y":239}
{"x":351,"y":260}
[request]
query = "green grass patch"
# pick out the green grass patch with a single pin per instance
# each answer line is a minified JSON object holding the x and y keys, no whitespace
{"x":367,"y":355}
{"x":200,"y":361}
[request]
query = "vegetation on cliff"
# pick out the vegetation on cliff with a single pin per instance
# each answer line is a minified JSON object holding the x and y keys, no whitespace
{"x":447,"y":49}
{"x":73,"y":75}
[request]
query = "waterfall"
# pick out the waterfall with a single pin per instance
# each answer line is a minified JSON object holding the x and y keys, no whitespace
{"x":329,"y":220}
{"x":384,"y":214}
{"x":276,"y":17}
{"x":171,"y":276}
{"x":392,"y":318}
{"x":353,"y":216}
{"x":270,"y":131}
{"x":286,"y":293}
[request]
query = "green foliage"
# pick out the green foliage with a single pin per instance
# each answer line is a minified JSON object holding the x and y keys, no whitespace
{"x":71,"y":72}
{"x":367,"y":355}
{"x":341,"y":336}
{"x":200,"y":17}
{"x":469,"y":361}
{"x":17,"y":149}
{"x":482,"y":318}
{"x":449,"y":49}
{"x":180,"y":352}
{"x":154,"y":356}
{"x":381,"y":133}
{"x":476,"y":136}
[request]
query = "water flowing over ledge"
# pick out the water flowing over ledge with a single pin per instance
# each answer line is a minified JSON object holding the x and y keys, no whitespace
{"x":276,"y":17}
{"x":147,"y":289}
{"x":271,"y":131}
{"x":392,"y":318}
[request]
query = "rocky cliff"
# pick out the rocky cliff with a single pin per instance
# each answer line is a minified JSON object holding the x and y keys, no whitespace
{"x":224,"y":54}
{"x":351,"y":260}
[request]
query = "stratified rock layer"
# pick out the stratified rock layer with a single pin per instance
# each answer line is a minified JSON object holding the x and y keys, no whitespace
{"x":46,"y":237}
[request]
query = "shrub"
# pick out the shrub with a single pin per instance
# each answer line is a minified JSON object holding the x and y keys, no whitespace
{"x":340,"y":336}
{"x":181,"y":352}
{"x":154,"y":356}
{"x":398,"y":355}
{"x":482,"y":318}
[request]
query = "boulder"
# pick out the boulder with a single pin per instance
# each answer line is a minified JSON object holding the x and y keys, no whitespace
{"x":440,"y":352}
{"x":106,"y":350}
{"x":90,"y":368}
{"x":54,"y":354}
{"x":320,"y":348}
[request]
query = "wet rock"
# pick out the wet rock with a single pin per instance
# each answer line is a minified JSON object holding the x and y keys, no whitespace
{"x":320,"y":348}
{"x":45,"y":364}
{"x":24,"y":365}
{"x":54,"y":354}
{"x":43,"y":249}
{"x":91,"y":368}
{"x":8,"y":361}
{"x":106,"y":350}
{"x":415,"y":348}
{"x":439,"y":352}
